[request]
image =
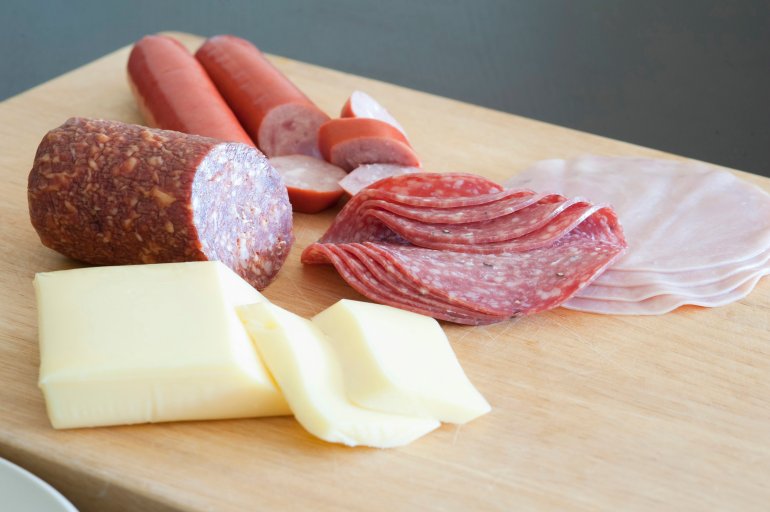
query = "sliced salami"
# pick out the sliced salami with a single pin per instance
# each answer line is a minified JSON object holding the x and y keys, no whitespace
{"x":398,"y":293}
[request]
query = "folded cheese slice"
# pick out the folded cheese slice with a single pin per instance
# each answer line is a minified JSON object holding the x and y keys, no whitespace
{"x":309,"y":375}
{"x":400,"y":362}
{"x":149,"y":343}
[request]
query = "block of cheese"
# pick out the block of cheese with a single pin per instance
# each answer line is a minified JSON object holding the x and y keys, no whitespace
{"x":308,"y":373}
{"x":400,"y":362}
{"x":149,"y":343}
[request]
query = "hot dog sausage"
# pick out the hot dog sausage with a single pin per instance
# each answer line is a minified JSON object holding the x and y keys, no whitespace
{"x":174,"y":92}
{"x":277,"y":115}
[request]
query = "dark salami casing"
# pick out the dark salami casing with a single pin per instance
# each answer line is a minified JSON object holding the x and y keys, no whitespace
{"x":105,"y":192}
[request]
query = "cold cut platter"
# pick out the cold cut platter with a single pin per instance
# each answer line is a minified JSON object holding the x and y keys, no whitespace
{"x":588,"y":411}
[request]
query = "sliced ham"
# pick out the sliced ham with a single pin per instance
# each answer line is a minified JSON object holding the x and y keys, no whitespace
{"x":677,"y":216}
{"x":697,"y":234}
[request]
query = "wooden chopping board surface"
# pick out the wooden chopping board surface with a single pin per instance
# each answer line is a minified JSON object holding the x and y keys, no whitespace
{"x":590,"y":412}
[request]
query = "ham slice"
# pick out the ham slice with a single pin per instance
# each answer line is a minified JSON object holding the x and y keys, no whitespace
{"x":697,"y":234}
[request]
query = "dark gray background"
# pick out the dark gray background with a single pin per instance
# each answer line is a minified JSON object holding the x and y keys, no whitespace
{"x":689,"y":77}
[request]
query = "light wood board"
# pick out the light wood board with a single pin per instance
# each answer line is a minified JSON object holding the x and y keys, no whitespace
{"x":590,"y":412}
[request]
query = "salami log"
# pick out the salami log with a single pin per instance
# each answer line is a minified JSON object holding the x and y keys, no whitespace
{"x":105,"y":192}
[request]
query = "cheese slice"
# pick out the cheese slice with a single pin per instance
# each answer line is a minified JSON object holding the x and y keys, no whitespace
{"x":307,"y":371}
{"x":400,"y":362}
{"x":149,"y":343}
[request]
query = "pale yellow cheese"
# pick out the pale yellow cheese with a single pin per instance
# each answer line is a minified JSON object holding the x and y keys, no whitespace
{"x":306,"y":369}
{"x":149,"y":343}
{"x":400,"y":362}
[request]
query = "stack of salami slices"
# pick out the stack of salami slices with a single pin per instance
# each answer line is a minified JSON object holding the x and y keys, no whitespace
{"x":460,"y":248}
{"x":697,"y":234}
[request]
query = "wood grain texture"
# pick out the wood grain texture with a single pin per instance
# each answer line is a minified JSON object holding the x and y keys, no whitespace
{"x":590,"y":412}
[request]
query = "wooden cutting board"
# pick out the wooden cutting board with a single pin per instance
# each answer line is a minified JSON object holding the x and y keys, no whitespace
{"x":590,"y":412}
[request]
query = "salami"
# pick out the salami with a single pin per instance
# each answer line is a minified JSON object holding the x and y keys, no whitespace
{"x":500,"y":267}
{"x":105,"y":192}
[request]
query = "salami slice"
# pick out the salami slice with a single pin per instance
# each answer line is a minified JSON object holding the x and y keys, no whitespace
{"x":386,"y":289}
{"x":105,"y":192}
{"x":498,"y":229}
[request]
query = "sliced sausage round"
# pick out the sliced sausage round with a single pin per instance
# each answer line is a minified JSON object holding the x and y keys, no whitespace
{"x":351,"y":142}
{"x":313,"y":184}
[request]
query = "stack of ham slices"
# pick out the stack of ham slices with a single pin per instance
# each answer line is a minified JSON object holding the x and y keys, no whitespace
{"x":459,"y":247}
{"x":697,"y":235}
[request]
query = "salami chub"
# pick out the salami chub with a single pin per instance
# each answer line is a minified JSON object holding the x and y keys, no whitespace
{"x":105,"y":192}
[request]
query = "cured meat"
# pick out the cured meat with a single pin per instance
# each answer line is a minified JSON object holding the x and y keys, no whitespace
{"x":692,"y":216}
{"x":611,"y":278}
{"x":351,"y":142}
{"x":277,"y":115}
{"x":174,"y":92}
{"x":424,"y":190}
{"x":105,"y":192}
{"x":698,"y":235}
{"x":640,"y":293}
{"x":660,"y":304}
{"x":361,"y":104}
{"x":313,"y":184}
{"x":469,"y":283}
{"x":364,"y":175}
